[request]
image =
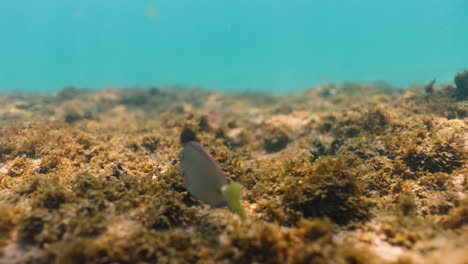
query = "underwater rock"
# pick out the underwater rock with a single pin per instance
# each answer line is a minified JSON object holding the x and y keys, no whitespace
{"x":68,"y":93}
{"x":29,"y":228}
{"x":274,"y":139}
{"x":458,"y":216}
{"x":353,"y":173}
{"x":74,"y":111}
{"x":429,"y":88}
{"x":20,"y":166}
{"x":461,"y":81}
{"x":324,"y":189}
{"x":187,"y":135}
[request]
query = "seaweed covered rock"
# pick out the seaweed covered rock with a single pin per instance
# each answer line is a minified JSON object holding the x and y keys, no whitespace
{"x":68,"y":93}
{"x":9,"y":218}
{"x":326,"y":188}
{"x":274,"y":139}
{"x":356,"y":122}
{"x":127,"y":242}
{"x":461,"y":81}
{"x":458,"y":216}
{"x":255,"y":243}
{"x":440,"y":148}
{"x":20,"y":166}
{"x":348,"y":174}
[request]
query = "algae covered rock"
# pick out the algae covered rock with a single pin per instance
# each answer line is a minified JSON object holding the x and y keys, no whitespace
{"x":461,"y":81}
{"x":344,"y":174}
{"x":326,"y":188}
{"x":274,"y":139}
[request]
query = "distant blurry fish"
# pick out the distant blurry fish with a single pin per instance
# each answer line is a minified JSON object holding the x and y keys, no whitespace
{"x":213,"y":117}
{"x":205,"y":180}
{"x":77,"y":13}
{"x":151,"y":12}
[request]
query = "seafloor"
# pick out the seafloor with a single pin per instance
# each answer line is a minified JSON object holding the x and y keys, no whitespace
{"x":339,"y":174}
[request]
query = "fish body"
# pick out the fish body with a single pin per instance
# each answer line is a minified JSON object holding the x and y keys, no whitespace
{"x":205,"y":179}
{"x":202,"y":175}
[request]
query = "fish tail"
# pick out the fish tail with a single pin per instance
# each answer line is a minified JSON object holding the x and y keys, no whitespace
{"x":232,"y":195}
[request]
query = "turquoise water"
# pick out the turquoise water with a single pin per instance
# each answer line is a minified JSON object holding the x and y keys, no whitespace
{"x":268,"y":45}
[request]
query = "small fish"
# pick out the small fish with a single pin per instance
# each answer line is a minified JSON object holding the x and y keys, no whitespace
{"x":205,"y":179}
{"x":213,"y":117}
{"x":151,"y":12}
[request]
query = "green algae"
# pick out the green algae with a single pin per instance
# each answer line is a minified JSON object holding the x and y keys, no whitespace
{"x":342,"y":174}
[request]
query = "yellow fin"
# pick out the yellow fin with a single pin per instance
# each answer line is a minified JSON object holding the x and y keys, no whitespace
{"x":232,"y":195}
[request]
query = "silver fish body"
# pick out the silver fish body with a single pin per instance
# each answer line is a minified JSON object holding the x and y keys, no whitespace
{"x":202,"y":175}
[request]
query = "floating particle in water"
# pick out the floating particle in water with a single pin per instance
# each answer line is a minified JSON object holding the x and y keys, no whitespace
{"x":151,"y":12}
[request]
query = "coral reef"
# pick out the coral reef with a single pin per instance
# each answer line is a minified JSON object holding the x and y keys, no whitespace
{"x":352,"y":173}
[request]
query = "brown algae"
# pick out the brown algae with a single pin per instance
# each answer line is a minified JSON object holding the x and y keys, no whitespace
{"x":340,"y":174}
